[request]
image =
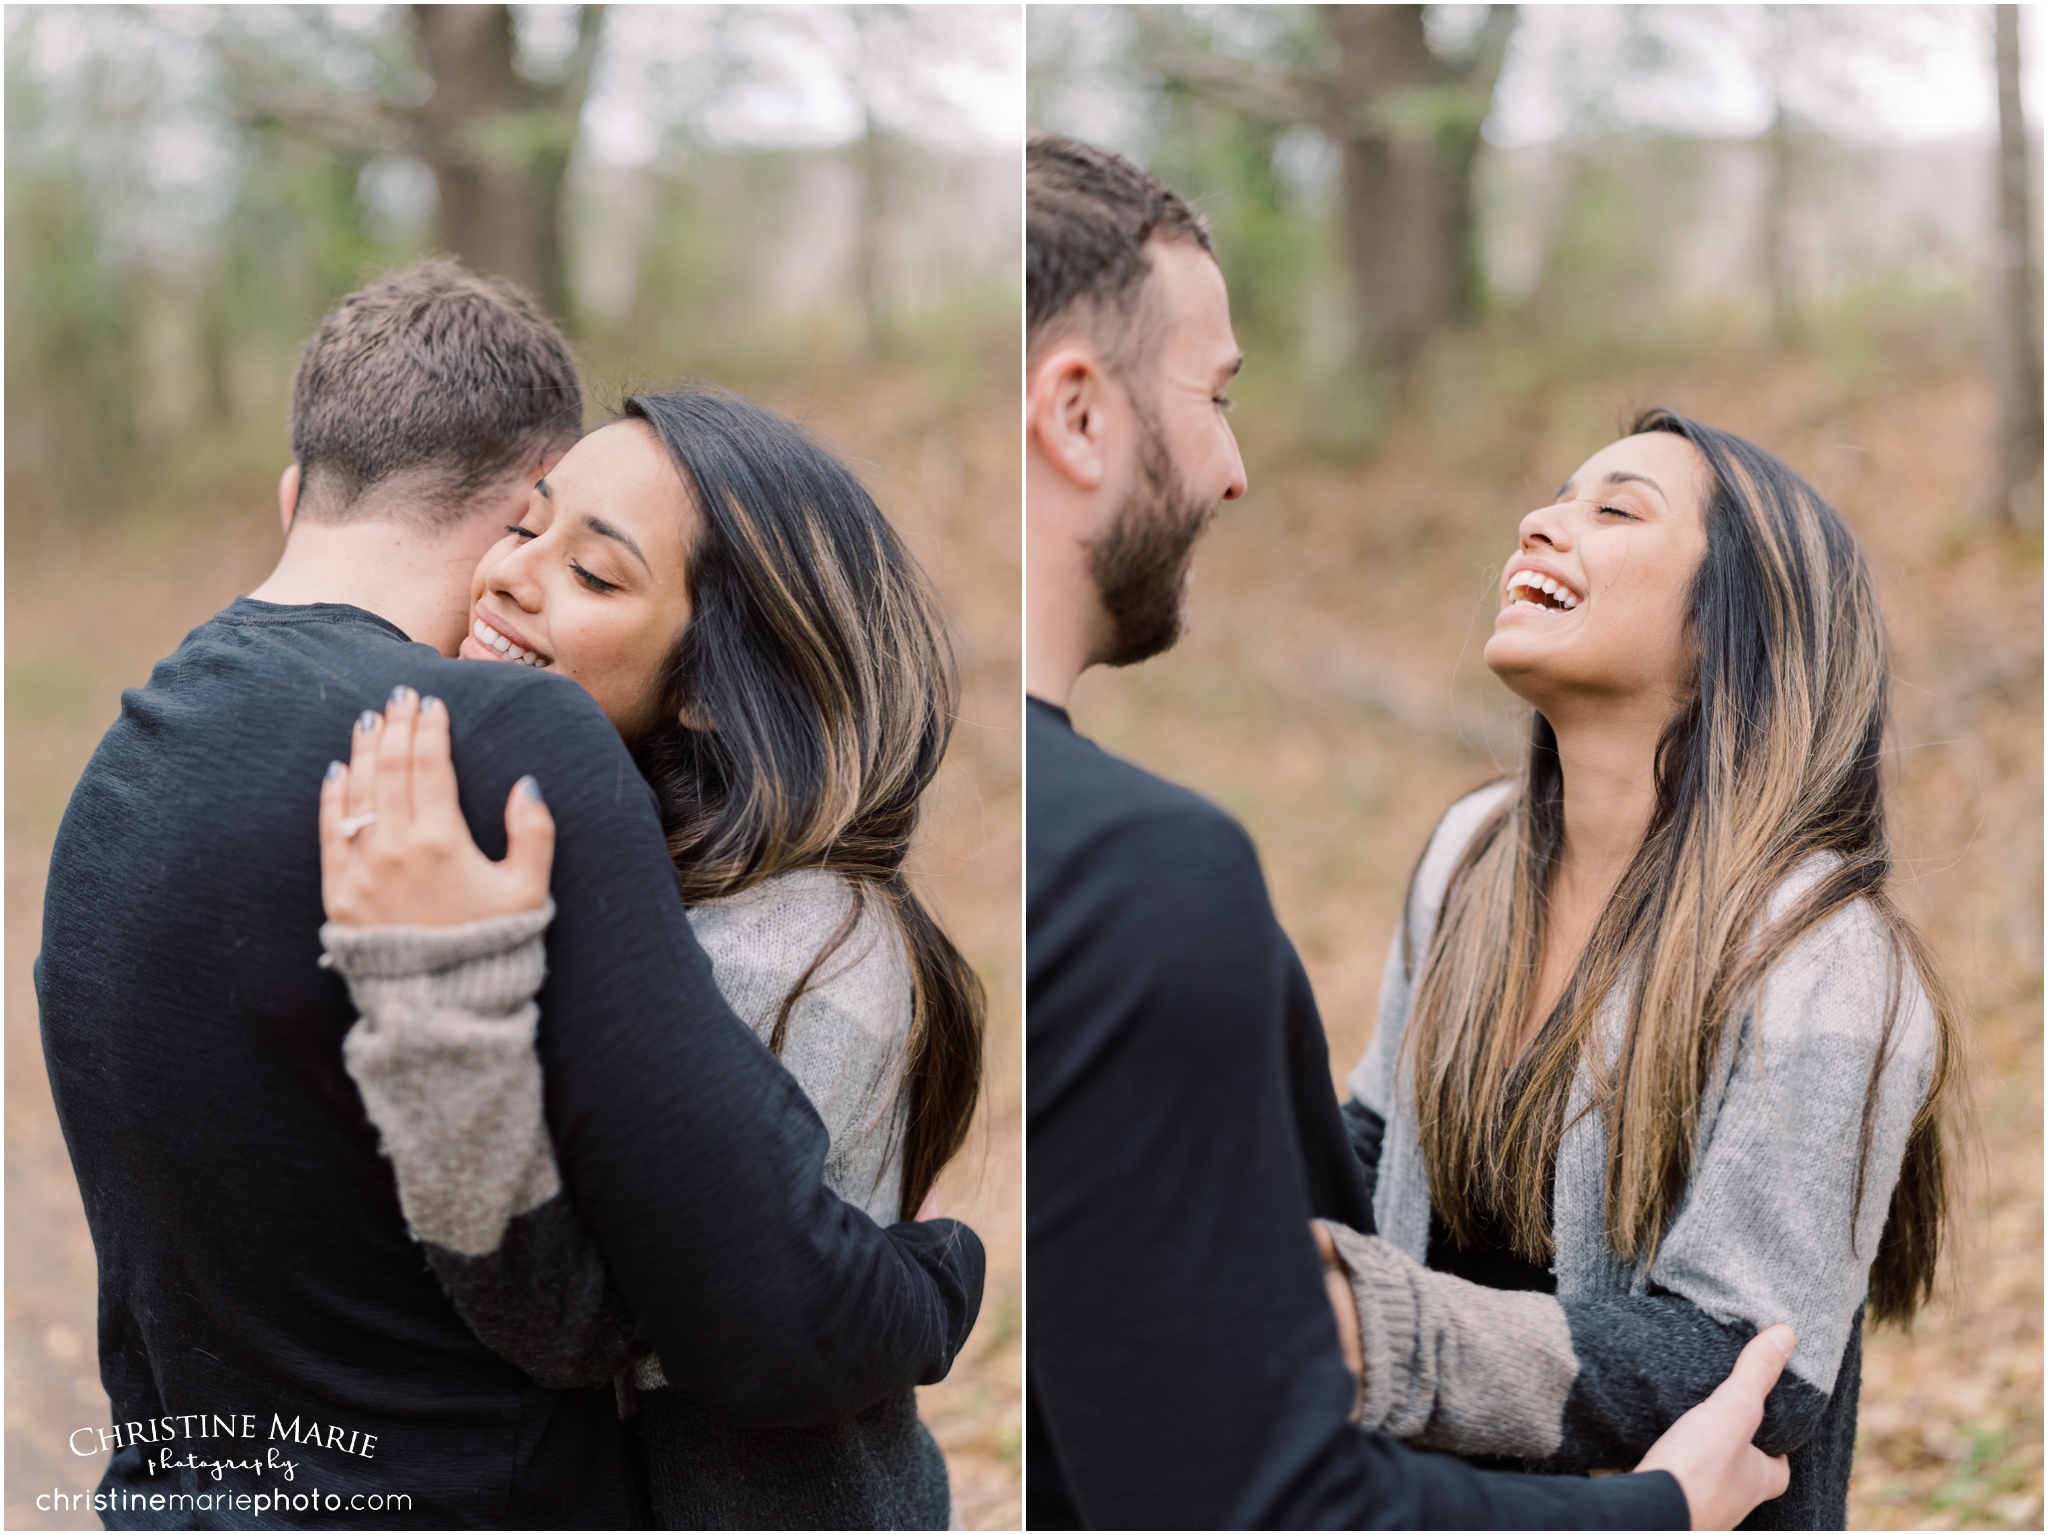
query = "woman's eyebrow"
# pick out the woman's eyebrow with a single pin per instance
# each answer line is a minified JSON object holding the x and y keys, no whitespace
{"x":1615,"y":477}
{"x":604,"y":529}
{"x":1625,"y":476}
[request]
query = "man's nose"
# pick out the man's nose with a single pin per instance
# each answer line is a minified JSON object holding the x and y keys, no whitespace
{"x":1238,"y":483}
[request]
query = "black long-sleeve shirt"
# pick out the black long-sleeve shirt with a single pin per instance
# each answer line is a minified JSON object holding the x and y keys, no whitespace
{"x":1183,"y":1367}
{"x":255,"y":1270}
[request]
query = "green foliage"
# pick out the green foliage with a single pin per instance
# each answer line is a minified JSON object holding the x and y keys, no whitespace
{"x":1280,"y":247}
{"x":71,"y":326}
{"x":698,"y":297}
{"x":1608,"y":266}
{"x":536,"y":143}
{"x":1450,"y":114}
{"x":714,"y":291}
{"x":70,"y":314}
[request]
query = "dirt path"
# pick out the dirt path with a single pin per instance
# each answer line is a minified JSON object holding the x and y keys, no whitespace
{"x":83,"y":623}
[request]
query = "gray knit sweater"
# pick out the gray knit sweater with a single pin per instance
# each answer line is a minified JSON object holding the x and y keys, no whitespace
{"x":1589,"y":1377}
{"x":444,"y":1057}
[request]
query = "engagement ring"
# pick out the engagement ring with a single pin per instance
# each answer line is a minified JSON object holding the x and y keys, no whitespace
{"x":351,"y":824}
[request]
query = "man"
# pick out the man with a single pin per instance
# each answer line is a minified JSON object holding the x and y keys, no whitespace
{"x":262,"y":1304}
{"x":1184,"y":1365}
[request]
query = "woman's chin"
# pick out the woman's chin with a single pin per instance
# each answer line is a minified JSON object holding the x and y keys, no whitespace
{"x":1518,"y":658}
{"x":1508,"y":650}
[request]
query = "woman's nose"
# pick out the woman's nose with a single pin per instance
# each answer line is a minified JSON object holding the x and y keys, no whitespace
{"x":516,"y":577}
{"x":1546,"y":525}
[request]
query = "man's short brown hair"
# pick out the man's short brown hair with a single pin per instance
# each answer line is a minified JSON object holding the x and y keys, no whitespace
{"x":1089,"y":214}
{"x":452,"y":380}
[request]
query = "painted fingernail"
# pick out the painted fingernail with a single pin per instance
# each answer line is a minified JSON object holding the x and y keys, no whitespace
{"x":400,"y":694}
{"x":532,"y":787}
{"x":429,"y":704}
{"x":368,"y":721}
{"x":334,"y":771}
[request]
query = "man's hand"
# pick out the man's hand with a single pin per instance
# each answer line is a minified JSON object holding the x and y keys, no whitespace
{"x":1337,"y":1281}
{"x":1723,"y":1475}
{"x":394,"y":847}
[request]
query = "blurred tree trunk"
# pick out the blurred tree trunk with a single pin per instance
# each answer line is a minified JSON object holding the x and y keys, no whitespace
{"x":1785,"y":34}
{"x":1779,"y":278}
{"x":872,"y":270}
{"x":2018,"y":323}
{"x":1408,"y":123}
{"x":499,"y":144}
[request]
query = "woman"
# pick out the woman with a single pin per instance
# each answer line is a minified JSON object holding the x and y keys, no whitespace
{"x":1654,"y":1037}
{"x":744,"y":614}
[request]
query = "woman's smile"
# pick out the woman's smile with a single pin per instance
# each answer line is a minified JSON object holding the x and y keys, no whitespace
{"x":1530,"y":585}
{"x":495,"y":639}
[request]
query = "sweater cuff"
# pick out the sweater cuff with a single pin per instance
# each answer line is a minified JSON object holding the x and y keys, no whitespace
{"x":1455,"y":1366}
{"x":488,"y":967}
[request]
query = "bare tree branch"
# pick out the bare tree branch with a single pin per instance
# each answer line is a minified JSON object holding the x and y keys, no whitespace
{"x":574,"y":86}
{"x":1480,"y":68}
{"x":1255,"y":87}
{"x":263,"y":89}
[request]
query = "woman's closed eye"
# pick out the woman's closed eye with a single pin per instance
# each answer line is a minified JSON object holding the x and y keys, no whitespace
{"x":515,"y":529}
{"x":595,"y":583}
{"x":1620,"y":511}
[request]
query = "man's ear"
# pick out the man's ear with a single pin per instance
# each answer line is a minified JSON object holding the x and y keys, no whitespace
{"x":288,"y":497}
{"x":1067,"y":416}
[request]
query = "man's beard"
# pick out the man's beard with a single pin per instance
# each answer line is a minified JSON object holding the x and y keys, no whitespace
{"x":1141,"y":563}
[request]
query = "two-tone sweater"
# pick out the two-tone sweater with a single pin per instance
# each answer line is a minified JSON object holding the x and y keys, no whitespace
{"x":1770,"y":1229}
{"x":444,"y":1057}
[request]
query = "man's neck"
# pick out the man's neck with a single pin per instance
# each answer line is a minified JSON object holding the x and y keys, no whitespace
{"x":413,"y":579}
{"x":1062,"y":615}
{"x":1049,"y":671}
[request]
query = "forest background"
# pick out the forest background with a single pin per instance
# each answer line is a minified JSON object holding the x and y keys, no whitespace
{"x":1465,"y":244}
{"x":819,"y":206}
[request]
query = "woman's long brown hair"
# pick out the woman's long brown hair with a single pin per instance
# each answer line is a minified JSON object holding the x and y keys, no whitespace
{"x":1776,"y":758}
{"x":818,"y":668}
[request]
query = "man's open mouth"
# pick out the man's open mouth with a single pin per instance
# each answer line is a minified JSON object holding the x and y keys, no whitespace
{"x":491,"y":639}
{"x":1538,"y":590}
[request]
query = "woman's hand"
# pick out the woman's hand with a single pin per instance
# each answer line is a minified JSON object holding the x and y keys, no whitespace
{"x":394,"y":847}
{"x":1723,"y":1475}
{"x":1337,"y":1284}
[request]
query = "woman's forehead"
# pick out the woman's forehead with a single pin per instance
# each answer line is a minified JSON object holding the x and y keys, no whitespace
{"x":1663,"y":461}
{"x":622,"y":474}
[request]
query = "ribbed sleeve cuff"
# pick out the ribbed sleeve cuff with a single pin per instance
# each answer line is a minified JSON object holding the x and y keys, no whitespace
{"x":1452,"y":1365}
{"x":488,"y":968}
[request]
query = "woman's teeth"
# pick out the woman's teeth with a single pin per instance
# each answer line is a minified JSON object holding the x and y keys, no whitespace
{"x":1532,"y":587}
{"x":488,"y":636}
